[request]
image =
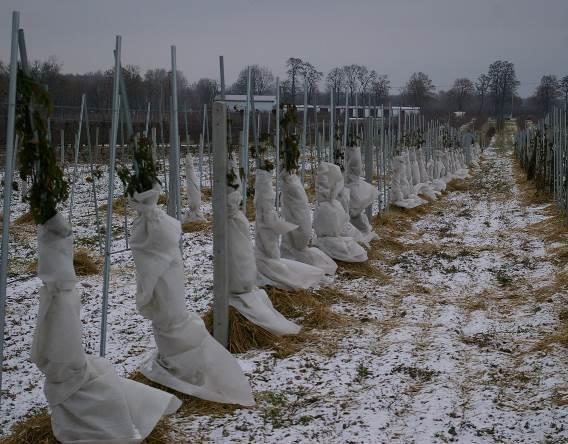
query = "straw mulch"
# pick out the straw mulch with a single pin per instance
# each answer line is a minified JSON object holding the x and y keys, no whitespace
{"x":36,"y":429}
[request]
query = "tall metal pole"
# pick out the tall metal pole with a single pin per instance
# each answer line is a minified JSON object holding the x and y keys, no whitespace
{"x":244,"y":151}
{"x":8,"y":178}
{"x":332,"y":129}
{"x":222,"y":76}
{"x":277,"y":144}
{"x":346,"y":122}
{"x":304,"y":130}
{"x":77,"y":143}
{"x":220,"y":240}
{"x":202,"y":141}
{"x":92,"y":171}
{"x":112,"y":161}
{"x":174,"y":144}
{"x":147,"y":120}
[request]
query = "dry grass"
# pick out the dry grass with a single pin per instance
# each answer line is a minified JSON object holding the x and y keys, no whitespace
{"x":244,"y":335}
{"x":358,"y":270}
{"x":119,"y":206}
{"x":311,"y":308}
{"x":193,"y":227}
{"x":25,"y":218}
{"x":458,"y":185}
{"x":529,"y":194}
{"x":190,"y":404}
{"x":162,"y":200}
{"x":249,"y":210}
{"x":36,"y":429}
{"x":83,"y":263}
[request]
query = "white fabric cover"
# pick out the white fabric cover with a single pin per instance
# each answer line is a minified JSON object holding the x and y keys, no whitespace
{"x":402,"y":193}
{"x":361,"y":193}
{"x":89,"y":403}
{"x":188,"y":359}
{"x":252,"y":302}
{"x":420,"y":187}
{"x":330,"y":218}
{"x":349,"y":230}
{"x":194,"y":213}
{"x":272,"y":269}
{"x":296,"y":243}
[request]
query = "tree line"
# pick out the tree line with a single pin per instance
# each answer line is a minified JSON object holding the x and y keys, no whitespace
{"x":491,"y":93}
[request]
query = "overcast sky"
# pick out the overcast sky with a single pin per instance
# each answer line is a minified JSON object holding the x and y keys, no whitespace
{"x":444,"y":38}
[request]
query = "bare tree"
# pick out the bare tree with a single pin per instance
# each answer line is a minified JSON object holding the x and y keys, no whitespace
{"x":547,"y":91}
{"x":381,"y":89}
{"x":482,"y":88}
{"x":295,"y":66}
{"x":564,"y":90}
{"x":262,"y":80}
{"x":366,"y":79}
{"x":312,"y":76}
{"x":351,"y":77}
{"x":462,"y":91}
{"x":335,"y":80}
{"x":206,"y":90}
{"x":502,"y":84}
{"x":419,"y":89}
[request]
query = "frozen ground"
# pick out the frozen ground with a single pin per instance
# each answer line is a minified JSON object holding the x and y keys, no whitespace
{"x":453,"y":348}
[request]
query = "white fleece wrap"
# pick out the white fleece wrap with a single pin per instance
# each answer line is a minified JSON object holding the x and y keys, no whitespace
{"x":188,"y":358}
{"x":330,"y":218}
{"x":296,"y":243}
{"x":272,"y":269}
{"x":252,"y":302}
{"x":361,"y":193}
{"x":89,"y":403}
{"x":194,"y":213}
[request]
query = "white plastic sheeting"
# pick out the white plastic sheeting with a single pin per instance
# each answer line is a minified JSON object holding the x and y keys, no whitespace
{"x":402,"y":192}
{"x":194,"y":213}
{"x":252,"y":302}
{"x":296,"y":243}
{"x":330,"y":218}
{"x":361,"y":193}
{"x":89,"y":403}
{"x":272,"y":269}
{"x":188,"y":359}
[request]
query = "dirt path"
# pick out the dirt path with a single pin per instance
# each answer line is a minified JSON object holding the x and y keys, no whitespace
{"x":464,"y":343}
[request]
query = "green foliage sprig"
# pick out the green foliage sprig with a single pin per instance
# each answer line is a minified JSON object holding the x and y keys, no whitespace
{"x":143,"y":174}
{"x":290,"y":149}
{"x":37,"y":160}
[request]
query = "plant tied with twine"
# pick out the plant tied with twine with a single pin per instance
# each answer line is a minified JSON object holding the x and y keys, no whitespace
{"x":290,"y":152}
{"x":143,"y":174}
{"x":37,"y":160}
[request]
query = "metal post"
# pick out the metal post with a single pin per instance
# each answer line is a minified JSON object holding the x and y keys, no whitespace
{"x":147,"y":120}
{"x":174,"y":145}
{"x":220,"y":240}
{"x":222,"y":76}
{"x":186,"y":128}
{"x":277,"y":144}
{"x":112,"y":155}
{"x":8,"y":178}
{"x":93,"y":185}
{"x":77,"y":143}
{"x":201,"y":141}
{"x":332,"y":129}
{"x":346,"y":122}
{"x":62,"y":145}
{"x":244,"y":151}
{"x":304,"y":130}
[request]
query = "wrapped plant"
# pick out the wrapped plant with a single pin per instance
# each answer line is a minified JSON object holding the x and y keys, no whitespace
{"x":37,"y":160}
{"x":290,"y":151}
{"x":143,"y":174}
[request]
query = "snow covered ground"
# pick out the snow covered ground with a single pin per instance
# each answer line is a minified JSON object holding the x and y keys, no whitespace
{"x":451,"y":347}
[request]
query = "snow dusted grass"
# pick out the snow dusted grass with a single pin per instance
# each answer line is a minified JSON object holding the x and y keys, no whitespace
{"x":455,"y":331}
